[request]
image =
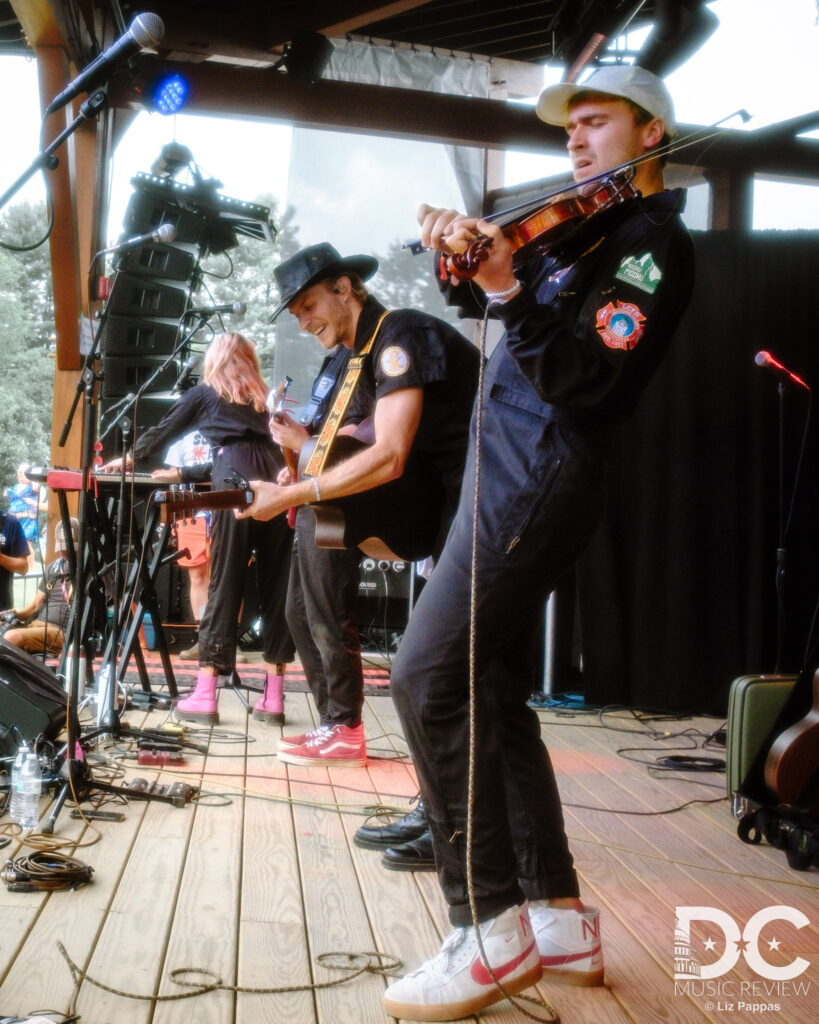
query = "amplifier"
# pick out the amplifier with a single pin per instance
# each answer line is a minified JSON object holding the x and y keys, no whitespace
{"x":383,"y":579}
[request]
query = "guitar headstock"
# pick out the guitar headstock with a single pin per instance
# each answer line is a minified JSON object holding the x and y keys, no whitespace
{"x":181,"y":502}
{"x":277,"y":397}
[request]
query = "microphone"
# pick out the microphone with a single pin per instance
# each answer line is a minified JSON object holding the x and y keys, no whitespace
{"x":764,"y":358}
{"x":191,"y":368}
{"x":146,"y":30}
{"x":164,"y":233}
{"x":237,"y":309}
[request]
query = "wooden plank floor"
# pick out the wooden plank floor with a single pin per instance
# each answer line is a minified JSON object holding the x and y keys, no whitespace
{"x":256,"y":880}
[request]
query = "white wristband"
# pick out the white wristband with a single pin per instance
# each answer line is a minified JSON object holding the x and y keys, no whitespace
{"x":316,"y":488}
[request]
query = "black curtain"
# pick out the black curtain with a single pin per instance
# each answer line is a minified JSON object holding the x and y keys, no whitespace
{"x":677,"y":593}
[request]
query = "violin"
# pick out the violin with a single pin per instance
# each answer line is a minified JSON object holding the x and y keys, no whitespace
{"x":534,"y":228}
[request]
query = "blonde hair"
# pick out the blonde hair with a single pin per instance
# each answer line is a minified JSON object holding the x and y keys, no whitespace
{"x":232,"y":370}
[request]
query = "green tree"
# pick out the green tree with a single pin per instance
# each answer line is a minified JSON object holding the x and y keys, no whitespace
{"x":245,"y":274}
{"x":407,"y":281}
{"x":27,"y":326}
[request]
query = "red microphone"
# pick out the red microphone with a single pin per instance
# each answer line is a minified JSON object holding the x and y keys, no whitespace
{"x":764,"y":358}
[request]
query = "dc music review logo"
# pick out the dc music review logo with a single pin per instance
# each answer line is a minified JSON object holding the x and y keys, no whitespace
{"x":687,"y":965}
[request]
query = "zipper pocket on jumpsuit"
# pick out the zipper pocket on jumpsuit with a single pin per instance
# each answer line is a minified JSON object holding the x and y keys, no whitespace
{"x":513,"y":543}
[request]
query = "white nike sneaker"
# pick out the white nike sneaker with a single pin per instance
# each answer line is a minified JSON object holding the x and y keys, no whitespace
{"x":457,"y":983}
{"x":571,"y":952}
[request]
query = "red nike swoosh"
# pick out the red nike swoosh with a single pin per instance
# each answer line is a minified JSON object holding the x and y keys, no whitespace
{"x":557,"y":961}
{"x":481,"y":975}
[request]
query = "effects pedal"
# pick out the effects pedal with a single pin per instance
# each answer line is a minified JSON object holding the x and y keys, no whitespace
{"x":152,"y":756}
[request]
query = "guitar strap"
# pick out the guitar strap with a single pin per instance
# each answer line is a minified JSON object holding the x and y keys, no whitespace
{"x":318,"y":457}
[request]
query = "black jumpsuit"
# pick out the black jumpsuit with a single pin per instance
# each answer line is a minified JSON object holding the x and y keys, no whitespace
{"x":581,"y":340}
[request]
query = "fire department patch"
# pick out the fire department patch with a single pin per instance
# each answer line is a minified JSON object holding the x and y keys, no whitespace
{"x":394,"y":361}
{"x":620,"y":326}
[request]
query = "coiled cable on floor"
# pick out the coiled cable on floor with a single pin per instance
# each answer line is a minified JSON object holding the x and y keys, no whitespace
{"x":45,"y":871}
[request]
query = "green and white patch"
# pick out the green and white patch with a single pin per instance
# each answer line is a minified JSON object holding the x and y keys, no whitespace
{"x":641,"y":271}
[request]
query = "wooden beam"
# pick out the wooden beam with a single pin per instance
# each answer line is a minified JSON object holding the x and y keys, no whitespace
{"x":64,"y":265}
{"x":438,"y":117}
{"x":37,"y":20}
{"x":225,"y":34}
{"x":337,"y":19}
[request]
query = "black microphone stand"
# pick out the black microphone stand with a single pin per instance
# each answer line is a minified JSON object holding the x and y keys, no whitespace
{"x":107,"y":712}
{"x":781,"y":552}
{"x":46,"y":159}
{"x":75,"y":774}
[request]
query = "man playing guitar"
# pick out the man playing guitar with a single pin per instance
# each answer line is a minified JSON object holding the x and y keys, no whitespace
{"x":416,"y":388}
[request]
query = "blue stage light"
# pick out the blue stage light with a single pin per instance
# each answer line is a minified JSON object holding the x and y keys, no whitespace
{"x":169,"y":93}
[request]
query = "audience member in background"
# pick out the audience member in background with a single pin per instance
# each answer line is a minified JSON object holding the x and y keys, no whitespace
{"x":24,"y":503}
{"x":13,"y":556}
{"x":44,"y":619}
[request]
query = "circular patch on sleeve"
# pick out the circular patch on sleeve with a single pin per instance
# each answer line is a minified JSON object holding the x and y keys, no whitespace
{"x":620,"y":326}
{"x":394,"y":361}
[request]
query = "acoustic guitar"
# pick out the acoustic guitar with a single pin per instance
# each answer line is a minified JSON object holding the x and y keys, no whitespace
{"x":792,"y":764}
{"x":397,"y":520}
{"x":181,"y":502}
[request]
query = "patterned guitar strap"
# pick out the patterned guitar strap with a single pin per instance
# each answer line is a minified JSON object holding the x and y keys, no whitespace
{"x":318,"y":457}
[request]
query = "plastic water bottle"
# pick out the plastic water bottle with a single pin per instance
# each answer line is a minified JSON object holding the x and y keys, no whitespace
{"x":19,"y":758}
{"x":26,"y":787}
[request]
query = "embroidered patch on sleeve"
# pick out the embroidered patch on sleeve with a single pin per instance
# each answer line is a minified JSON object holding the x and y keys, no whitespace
{"x":394,"y":361}
{"x":620,"y":326}
{"x":641,"y":271}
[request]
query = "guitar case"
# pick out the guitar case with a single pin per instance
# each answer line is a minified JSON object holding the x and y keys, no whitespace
{"x":754,"y":703}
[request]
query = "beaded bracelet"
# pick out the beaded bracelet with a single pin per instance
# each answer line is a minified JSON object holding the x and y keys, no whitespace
{"x":316,"y":488}
{"x":504,"y":295}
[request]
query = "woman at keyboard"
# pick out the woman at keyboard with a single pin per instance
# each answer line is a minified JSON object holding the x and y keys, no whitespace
{"x":228,"y":407}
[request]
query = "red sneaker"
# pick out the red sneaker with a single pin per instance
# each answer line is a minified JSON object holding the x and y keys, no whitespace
{"x":288,"y":742}
{"x":337,"y":746}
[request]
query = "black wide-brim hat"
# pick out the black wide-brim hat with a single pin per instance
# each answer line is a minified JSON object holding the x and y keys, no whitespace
{"x":313,"y":264}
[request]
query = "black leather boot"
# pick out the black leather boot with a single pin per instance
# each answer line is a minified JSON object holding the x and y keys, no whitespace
{"x":413,"y":856}
{"x":379,"y":837}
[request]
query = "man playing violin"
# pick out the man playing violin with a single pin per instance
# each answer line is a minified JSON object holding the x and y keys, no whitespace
{"x":585,"y":326}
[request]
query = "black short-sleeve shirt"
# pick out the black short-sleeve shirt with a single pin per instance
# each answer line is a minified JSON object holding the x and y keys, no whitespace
{"x":416,"y":350}
{"x":13,"y":543}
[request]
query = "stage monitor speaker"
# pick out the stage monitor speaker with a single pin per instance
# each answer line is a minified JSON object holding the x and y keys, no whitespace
{"x":160,"y":261}
{"x":146,"y":213}
{"x":31,"y":700}
{"x":139,"y":336}
{"x":136,"y":296}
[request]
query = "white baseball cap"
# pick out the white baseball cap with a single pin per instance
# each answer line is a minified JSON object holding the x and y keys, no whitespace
{"x":624,"y":81}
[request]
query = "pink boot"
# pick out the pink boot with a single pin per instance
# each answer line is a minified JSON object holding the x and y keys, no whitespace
{"x":200,"y":706}
{"x":270,"y":708}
